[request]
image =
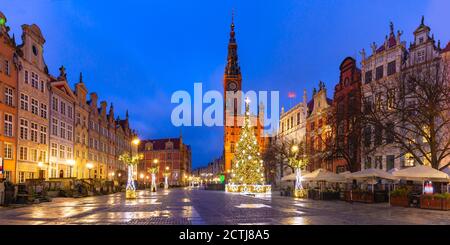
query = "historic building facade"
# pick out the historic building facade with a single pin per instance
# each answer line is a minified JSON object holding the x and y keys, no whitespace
{"x":346,"y":119}
{"x":62,"y":114}
{"x":8,"y":103}
{"x":318,"y":129}
{"x":293,"y":122}
{"x":233,"y":118}
{"x":33,"y":106}
{"x":169,"y":153}
{"x":81,"y":130}
{"x":378,"y":71}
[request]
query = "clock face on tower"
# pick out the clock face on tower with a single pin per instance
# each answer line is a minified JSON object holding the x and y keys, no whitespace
{"x":232,"y":86}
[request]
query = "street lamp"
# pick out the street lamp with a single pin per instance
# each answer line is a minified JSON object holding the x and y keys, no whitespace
{"x":41,"y":171}
{"x":71,"y":163}
{"x":136,"y":141}
{"x":89,"y":166}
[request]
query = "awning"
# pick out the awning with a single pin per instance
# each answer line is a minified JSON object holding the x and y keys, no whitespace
{"x":324,"y":175}
{"x":371,"y":173}
{"x":420,"y":173}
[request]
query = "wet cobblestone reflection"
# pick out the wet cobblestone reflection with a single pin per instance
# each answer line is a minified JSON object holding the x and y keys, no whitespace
{"x":185,"y":206}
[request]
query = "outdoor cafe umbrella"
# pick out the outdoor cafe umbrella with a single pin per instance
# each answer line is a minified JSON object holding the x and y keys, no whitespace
{"x":372,"y":174}
{"x":323,"y":175}
{"x":421,"y":173}
{"x":292,"y":176}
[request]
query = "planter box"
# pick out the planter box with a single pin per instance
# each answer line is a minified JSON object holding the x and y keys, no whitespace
{"x":400,"y":201}
{"x":446,"y":204}
{"x":431,"y":203}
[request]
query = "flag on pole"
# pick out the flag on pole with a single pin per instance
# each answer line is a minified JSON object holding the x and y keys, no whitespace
{"x":291,"y":94}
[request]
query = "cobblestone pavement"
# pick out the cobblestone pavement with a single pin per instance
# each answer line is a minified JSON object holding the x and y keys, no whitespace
{"x":184,"y":206}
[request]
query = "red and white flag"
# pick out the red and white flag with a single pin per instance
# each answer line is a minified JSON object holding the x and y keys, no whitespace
{"x":291,"y":94}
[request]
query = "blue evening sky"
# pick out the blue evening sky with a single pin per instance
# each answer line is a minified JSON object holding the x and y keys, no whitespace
{"x":137,"y":53}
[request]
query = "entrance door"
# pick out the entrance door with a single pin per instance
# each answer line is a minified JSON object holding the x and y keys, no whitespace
{"x":61,"y":173}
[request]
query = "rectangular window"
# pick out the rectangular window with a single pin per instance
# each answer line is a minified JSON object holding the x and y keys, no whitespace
{"x":368,"y":163}
{"x":34,"y":132}
{"x":34,"y":106}
{"x":55,"y":104}
{"x":24,"y":102}
{"x":390,"y":133}
{"x":21,"y":177}
{"x":62,"y":151}
{"x":26,"y":78}
{"x":42,"y":86}
{"x":43,"y":135}
{"x":69,"y":153}
{"x":23,"y":153}
{"x":421,"y":56}
{"x":69,"y":132}
{"x":54,"y":150}
{"x":69,"y":111}
{"x":9,"y":98}
{"x":8,"y":125}
{"x":378,"y":135}
{"x":62,"y":130}
{"x":23,"y":129}
{"x":34,"y":155}
{"x":78,"y":118}
{"x":8,"y":151}
{"x":391,"y":68}
{"x":7,"y":68}
{"x":379,"y":162}
{"x":379,"y":73}
{"x":390,"y":160}
{"x":54,"y":127}
{"x":63,"y":108}
{"x":368,"y":76}
{"x":43,"y":156}
{"x":43,"y":110}
{"x":34,"y":80}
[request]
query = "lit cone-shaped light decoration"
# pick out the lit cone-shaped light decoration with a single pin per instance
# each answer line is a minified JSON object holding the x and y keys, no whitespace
{"x":247,"y":168}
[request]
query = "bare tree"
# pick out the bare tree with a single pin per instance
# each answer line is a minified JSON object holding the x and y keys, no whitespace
{"x":343,"y":140}
{"x":411,"y":111}
{"x":279,"y":155}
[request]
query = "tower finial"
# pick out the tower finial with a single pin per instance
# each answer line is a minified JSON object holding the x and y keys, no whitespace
{"x":391,"y":25}
{"x":422,"y":22}
{"x":232,"y":19}
{"x":81,"y":77}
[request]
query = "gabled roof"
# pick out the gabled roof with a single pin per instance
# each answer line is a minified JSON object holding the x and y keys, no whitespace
{"x":62,"y":86}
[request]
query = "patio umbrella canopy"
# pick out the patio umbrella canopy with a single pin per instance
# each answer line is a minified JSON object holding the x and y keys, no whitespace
{"x":323,"y":175}
{"x":421,"y":173}
{"x":292,"y":176}
{"x":371,"y":173}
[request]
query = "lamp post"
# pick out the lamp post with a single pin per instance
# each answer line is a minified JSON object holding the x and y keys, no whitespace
{"x":166,"y":177}
{"x":41,"y":166}
{"x":89,"y":166}
{"x":71,"y":163}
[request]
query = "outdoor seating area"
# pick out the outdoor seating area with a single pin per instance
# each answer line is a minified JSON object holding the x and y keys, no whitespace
{"x":419,"y":186}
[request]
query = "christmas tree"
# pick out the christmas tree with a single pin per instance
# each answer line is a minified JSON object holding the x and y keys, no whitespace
{"x":248,"y":166}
